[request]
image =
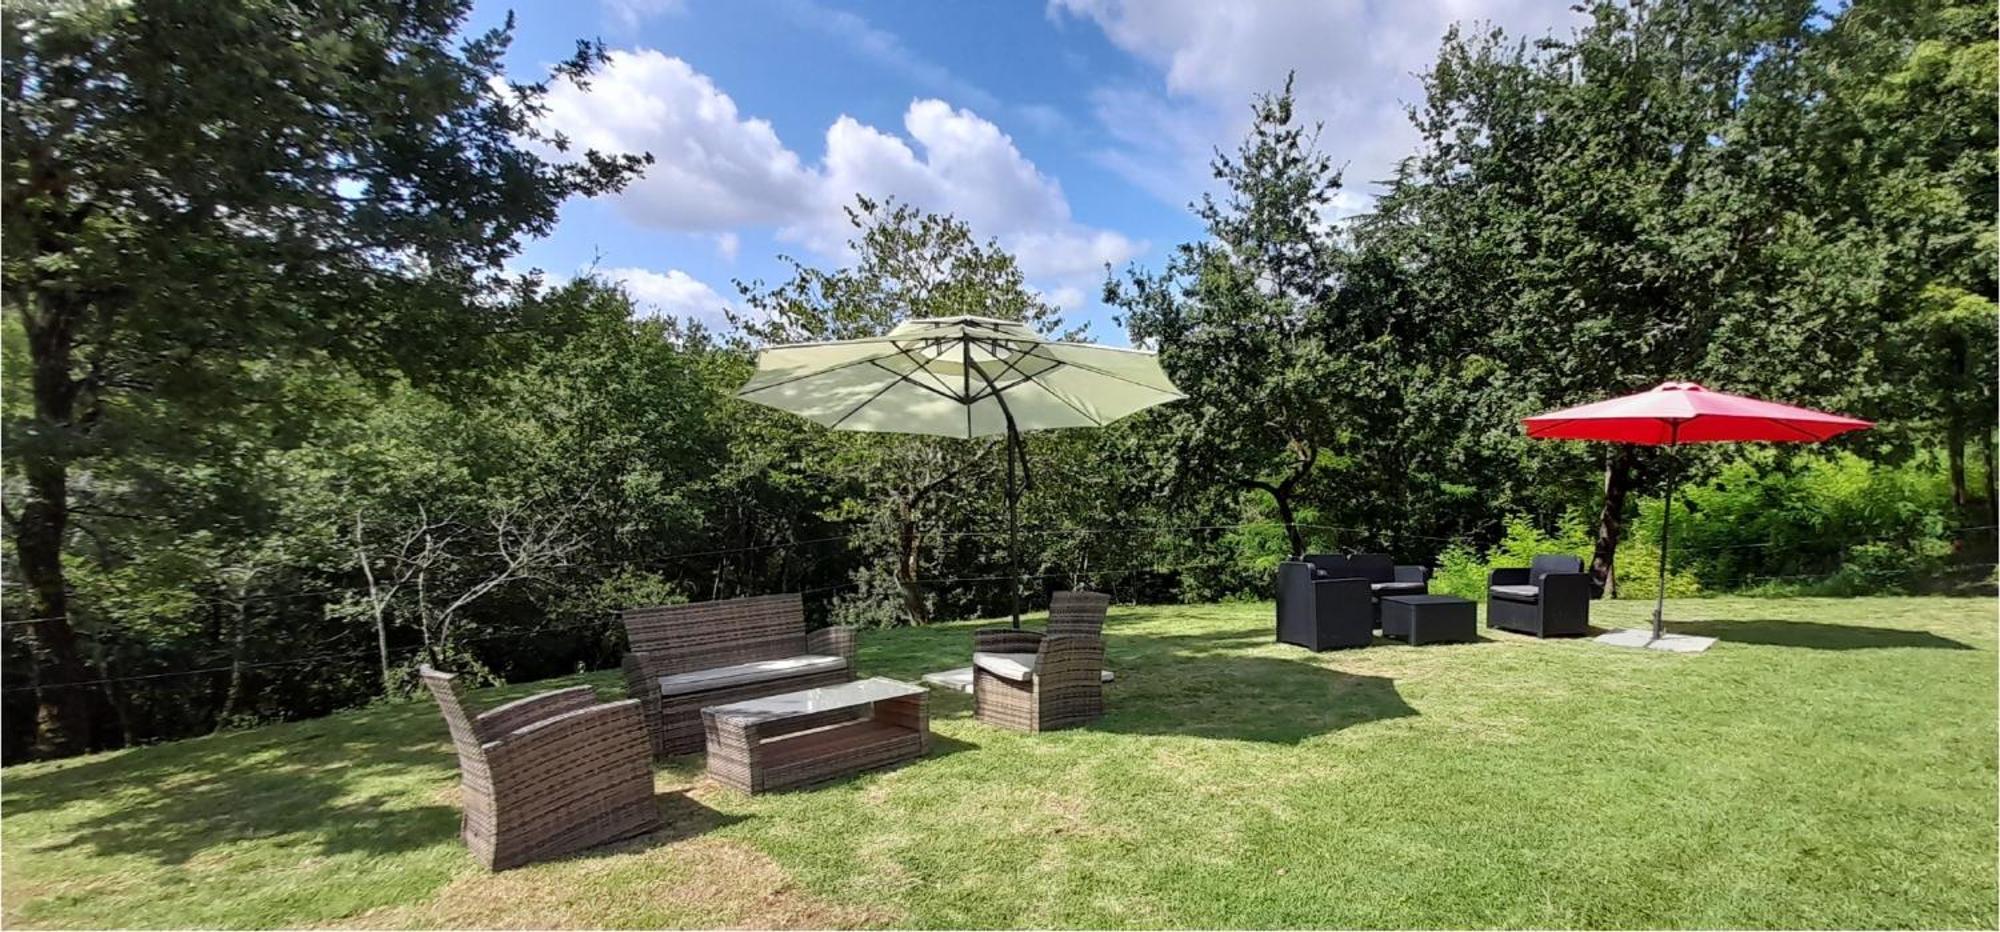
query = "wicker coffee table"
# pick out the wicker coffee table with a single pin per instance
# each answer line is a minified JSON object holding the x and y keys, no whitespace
{"x":1428,"y":619}
{"x":815,"y":735}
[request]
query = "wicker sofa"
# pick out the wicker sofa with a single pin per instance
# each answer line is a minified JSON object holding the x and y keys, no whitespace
{"x":549,"y":774}
{"x":1549,"y":597}
{"x":1034,"y":681}
{"x":686,"y":657}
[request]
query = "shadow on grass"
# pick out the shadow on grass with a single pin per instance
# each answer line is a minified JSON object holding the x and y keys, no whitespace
{"x":376,"y":781}
{"x":1814,"y":635}
{"x":1203,"y":686}
{"x":1208,"y":685}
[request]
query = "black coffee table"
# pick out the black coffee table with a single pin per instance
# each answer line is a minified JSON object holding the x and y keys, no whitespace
{"x":1429,"y":619}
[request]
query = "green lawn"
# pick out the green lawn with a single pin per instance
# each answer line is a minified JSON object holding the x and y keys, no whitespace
{"x":1830,"y":764}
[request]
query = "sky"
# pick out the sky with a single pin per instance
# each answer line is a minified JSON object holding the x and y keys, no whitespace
{"x":1074,"y":132}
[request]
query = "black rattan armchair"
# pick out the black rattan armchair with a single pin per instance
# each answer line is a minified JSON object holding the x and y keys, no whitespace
{"x":1323,"y":614}
{"x":1550,"y":597}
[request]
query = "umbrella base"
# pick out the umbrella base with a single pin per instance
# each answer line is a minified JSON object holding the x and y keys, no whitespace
{"x":1642,"y":638}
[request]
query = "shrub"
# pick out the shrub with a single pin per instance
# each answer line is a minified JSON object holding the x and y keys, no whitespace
{"x":1462,"y":571}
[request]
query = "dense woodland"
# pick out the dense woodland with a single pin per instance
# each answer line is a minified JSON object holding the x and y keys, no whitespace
{"x":280,"y":424}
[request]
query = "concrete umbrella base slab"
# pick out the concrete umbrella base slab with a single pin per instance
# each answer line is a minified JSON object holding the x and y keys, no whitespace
{"x":1643,"y":638}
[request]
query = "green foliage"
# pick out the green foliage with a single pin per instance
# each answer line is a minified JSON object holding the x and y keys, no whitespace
{"x":1463,"y":570}
{"x":1862,"y":528}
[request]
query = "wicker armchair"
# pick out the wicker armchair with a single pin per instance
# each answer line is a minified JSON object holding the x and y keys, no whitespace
{"x":686,"y":657}
{"x":549,"y":774}
{"x":1034,"y":681}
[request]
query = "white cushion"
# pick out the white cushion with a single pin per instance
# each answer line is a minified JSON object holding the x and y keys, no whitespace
{"x":1517,"y":593}
{"x":756,"y":671}
{"x":1017,"y":667}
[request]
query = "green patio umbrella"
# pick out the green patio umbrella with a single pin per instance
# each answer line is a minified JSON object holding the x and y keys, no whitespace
{"x":961,"y":377}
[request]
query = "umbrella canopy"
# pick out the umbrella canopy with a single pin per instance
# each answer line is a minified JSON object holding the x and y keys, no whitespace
{"x":960,"y":377}
{"x":1674,"y":413}
{"x":1683,"y":412}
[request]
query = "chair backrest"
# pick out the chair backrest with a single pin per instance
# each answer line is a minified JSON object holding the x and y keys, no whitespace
{"x":705,"y":635}
{"x":1332,"y":564}
{"x":464,"y":730}
{"x":1374,"y":567}
{"x":1546,"y":564}
{"x":1078,"y":613}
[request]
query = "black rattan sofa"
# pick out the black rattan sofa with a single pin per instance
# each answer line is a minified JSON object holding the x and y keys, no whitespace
{"x":1550,"y":597}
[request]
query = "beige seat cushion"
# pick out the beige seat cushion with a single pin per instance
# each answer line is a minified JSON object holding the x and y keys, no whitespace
{"x":1017,"y":667}
{"x":756,"y":671}
{"x":1516,"y":593}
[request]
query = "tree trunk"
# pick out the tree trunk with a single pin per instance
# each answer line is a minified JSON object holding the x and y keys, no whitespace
{"x":1992,"y":479}
{"x":1611,"y":522}
{"x":1954,"y":448}
{"x":907,"y":554}
{"x":1282,"y":494}
{"x":239,"y":643}
{"x":62,"y":714}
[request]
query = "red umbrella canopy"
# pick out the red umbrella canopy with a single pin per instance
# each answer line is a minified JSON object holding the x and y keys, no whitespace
{"x":1683,"y":412}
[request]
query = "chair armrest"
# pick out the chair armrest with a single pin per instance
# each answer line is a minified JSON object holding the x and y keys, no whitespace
{"x":1420,"y":574}
{"x":1006,"y":640}
{"x":522,"y":712}
{"x":1508,"y":576}
{"x":1561,"y":587}
{"x":836,"y":642}
{"x":1069,"y":660}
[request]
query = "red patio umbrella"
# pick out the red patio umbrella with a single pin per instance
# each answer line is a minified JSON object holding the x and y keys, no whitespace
{"x":1674,"y":413}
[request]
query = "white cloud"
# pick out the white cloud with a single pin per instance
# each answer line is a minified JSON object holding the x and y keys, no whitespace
{"x":672,"y":292}
{"x":1356,"y":67}
{"x":727,"y":245}
{"x":717,"y":171}
{"x":713,"y":169}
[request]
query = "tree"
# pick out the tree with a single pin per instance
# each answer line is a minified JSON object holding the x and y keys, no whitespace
{"x":1595,"y":211}
{"x":909,"y":263}
{"x":1895,"y":156}
{"x":197,"y":195}
{"x":1233,"y":317}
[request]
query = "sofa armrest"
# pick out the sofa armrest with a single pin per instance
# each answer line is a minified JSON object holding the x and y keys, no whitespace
{"x":1420,"y":574}
{"x":834,"y":642}
{"x":520,"y":713}
{"x":1508,"y":576}
{"x":1006,"y":640}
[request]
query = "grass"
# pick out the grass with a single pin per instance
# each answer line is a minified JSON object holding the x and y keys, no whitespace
{"x":1829,"y":764}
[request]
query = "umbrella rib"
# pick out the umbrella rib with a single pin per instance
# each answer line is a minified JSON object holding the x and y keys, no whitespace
{"x":1094,"y":420}
{"x":1109,"y":375}
{"x":816,"y":372}
{"x":1795,"y":429}
{"x":905,"y":377}
{"x":865,"y":402}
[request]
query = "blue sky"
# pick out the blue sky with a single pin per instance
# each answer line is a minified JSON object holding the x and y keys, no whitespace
{"x":1075,"y":132}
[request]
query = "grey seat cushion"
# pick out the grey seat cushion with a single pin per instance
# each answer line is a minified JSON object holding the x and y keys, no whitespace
{"x":1515,"y":593}
{"x":1017,"y":667}
{"x":1397,"y":588}
{"x":740,"y":674}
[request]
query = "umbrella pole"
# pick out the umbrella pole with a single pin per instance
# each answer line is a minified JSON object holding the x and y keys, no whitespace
{"x":1013,"y":523}
{"x":1666,"y":521}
